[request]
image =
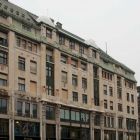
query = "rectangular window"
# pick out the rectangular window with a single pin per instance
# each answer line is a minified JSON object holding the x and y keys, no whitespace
{"x":83,"y":66}
{"x":33,"y":87}
{"x":120,"y":107}
{"x":3,"y":79}
{"x":21,"y":63}
{"x":75,"y":96}
{"x":132,"y":98}
{"x":3,"y":39}
{"x":27,"y":109}
{"x":19,"y":108}
{"x":33,"y":67}
{"x":111,"y":91}
{"x":120,"y":123}
{"x":3,"y":57}
{"x":96,"y":72}
{"x":128,"y":98}
{"x":64,"y":114}
{"x":111,"y":105}
{"x":72,"y":44}
{"x":24,"y":43}
{"x":30,"y":47}
{"x":18,"y":42}
{"x":3,"y":106}
{"x":132,"y":109}
{"x":48,"y":33}
{"x":84,"y":98}
{"x":34,"y":113}
{"x":49,"y":55}
{"x":61,"y":40}
{"x":50,"y":113}
{"x":74,"y":80}
{"x":74,"y":63}
{"x":128,"y":109}
{"x":64,"y":77}
{"x":81,"y":49}
{"x":119,"y":93}
{"x":105,"y":89}
{"x":75,"y":115}
{"x":64,"y":59}
{"x":21,"y":84}
{"x":94,"y":54}
{"x":84,"y":83}
{"x":118,"y":81}
{"x":105,"y":104}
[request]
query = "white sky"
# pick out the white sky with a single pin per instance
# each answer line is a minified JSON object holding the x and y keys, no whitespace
{"x":116,"y":22}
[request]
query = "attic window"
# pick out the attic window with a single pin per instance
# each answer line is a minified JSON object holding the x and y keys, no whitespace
{"x":11,"y":10}
{"x":5,"y":7}
{"x":23,"y":15}
{"x":17,"y":13}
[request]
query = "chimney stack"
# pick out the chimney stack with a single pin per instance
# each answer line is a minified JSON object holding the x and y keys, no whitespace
{"x":59,"y":25}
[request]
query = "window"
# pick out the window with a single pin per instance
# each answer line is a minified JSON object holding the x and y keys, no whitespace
{"x":119,"y":93}
{"x":3,"y":106}
{"x":132,"y":98}
{"x":111,"y":91}
{"x":21,"y":63}
{"x":74,"y":63}
{"x":74,"y":80}
{"x":19,"y":108}
{"x":34,"y":113}
{"x":3,"y":57}
{"x":61,"y":40}
{"x":33,"y":67}
{"x":84,"y":66}
{"x":25,"y":27}
{"x":105,"y":104}
{"x":64,"y":114}
{"x":27,"y":109}
{"x":33,"y":87}
{"x":111,"y":105}
{"x":64,"y":59}
{"x":84,"y":98}
{"x":97,"y":120}
{"x":128,"y":99}
{"x":3,"y":79}
{"x":118,"y":81}
{"x":49,"y":55}
{"x":75,"y":96}
{"x":23,"y":45}
{"x":120,"y":107}
{"x":120,"y":123}
{"x":50,"y":112}
{"x":130,"y":124}
{"x":105,"y":89}
{"x":64,"y":77}
{"x":21,"y":84}
{"x":94,"y":54}
{"x":96,"y":72}
{"x":48,"y":33}
{"x":128,"y":109}
{"x":3,"y":39}
{"x":75,"y":115}
{"x":84,"y":83}
{"x":107,"y":75}
{"x":30,"y":46}
{"x":72,"y":44}
{"x":18,"y":41}
{"x":132,"y":110}
{"x":81,"y":49}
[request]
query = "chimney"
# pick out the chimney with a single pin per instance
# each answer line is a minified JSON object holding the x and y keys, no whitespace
{"x":59,"y":25}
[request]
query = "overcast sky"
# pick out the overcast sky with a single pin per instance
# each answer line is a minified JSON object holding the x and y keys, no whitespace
{"x":116,"y":22}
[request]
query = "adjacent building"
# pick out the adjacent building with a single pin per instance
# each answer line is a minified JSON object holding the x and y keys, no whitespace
{"x":56,"y":85}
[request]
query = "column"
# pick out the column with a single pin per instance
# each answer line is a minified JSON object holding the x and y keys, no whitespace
{"x":102,"y":127}
{"x":92,"y":126}
{"x":58,"y":125}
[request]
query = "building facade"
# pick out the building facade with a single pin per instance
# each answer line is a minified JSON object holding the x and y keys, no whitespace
{"x":56,"y":85}
{"x":138,"y":91}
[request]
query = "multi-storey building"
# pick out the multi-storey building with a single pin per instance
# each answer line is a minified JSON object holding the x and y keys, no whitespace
{"x":55,"y":85}
{"x":138,"y":91}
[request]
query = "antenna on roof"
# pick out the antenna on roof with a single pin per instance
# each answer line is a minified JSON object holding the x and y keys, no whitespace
{"x":106,"y":47}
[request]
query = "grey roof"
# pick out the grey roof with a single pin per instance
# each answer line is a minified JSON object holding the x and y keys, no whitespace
{"x":108,"y":58}
{"x":17,"y":12}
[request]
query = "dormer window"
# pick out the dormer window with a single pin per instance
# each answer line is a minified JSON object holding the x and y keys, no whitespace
{"x":72,"y":45}
{"x":48,"y":33}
